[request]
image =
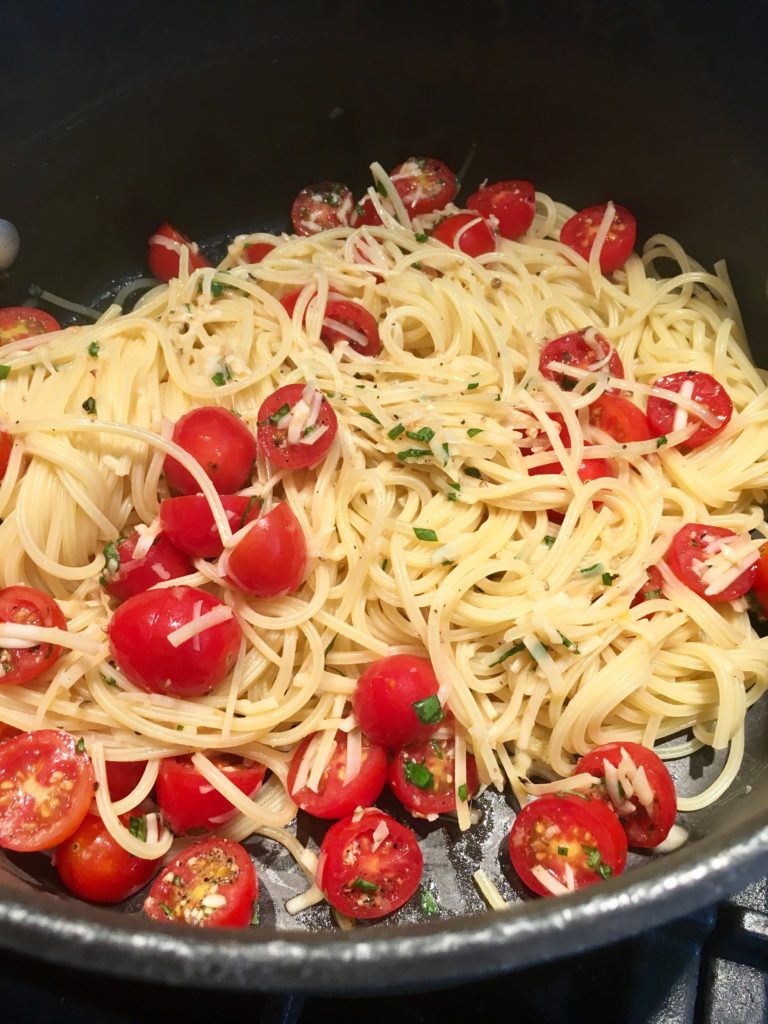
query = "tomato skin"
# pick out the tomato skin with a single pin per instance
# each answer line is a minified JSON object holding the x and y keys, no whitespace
{"x":134,"y":576}
{"x":643,"y":830}
{"x":474,"y":241}
{"x":6,"y":444}
{"x":573,"y":349}
{"x":365,"y":214}
{"x":333,"y":799}
{"x":346,"y":856}
{"x":271,"y":559}
{"x":579,"y":232}
{"x":688,"y":545}
{"x":138,"y":639}
{"x":589,"y":469}
{"x":384,"y":697}
{"x":648,"y":591}
{"x":28,"y":606}
{"x":760,"y":585}
{"x":165,"y":263}
{"x":621,"y":419}
{"x":273,"y":441}
{"x":706,"y":391}
{"x":440,"y":798}
{"x":188,"y":522}
{"x":424,"y":184}
{"x":220,"y":442}
{"x":20,"y":322}
{"x":189,"y":802}
{"x":123,"y":777}
{"x":356,"y":317}
{"x":321,"y":207}
{"x":40,"y":756}
{"x":96,"y":868}
{"x":512,"y":203}
{"x":255,"y":252}
{"x":212,"y":867}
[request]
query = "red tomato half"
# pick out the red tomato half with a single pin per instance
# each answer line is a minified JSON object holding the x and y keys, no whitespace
{"x":689,"y":560}
{"x":254,"y":252}
{"x":188,"y":521}
{"x":220,"y":442}
{"x":20,"y":322}
{"x":165,"y":248}
{"x":273,"y":439}
{"x":621,"y":419}
{"x":703,"y":389}
{"x":589,"y":469}
{"x":271,"y":559}
{"x":333,"y":798}
{"x":349,"y":321}
{"x":645,"y":827}
{"x":424,"y":184}
{"x":574,"y":841}
{"x":580,"y":230}
{"x":212,"y":884}
{"x":6,"y":444}
{"x":365,"y":214}
{"x":123,"y":777}
{"x":512,"y":203}
{"x":46,"y":788}
{"x":574,"y":350}
{"x":320,"y":207}
{"x":28,"y":607}
{"x":93,"y":866}
{"x":652,"y":589}
{"x":365,"y":877}
{"x":138,"y":638}
{"x":466,"y":232}
{"x":760,"y":585}
{"x":395,"y":701}
{"x":189,"y":802}
{"x":125,"y":575}
{"x":422,"y":777}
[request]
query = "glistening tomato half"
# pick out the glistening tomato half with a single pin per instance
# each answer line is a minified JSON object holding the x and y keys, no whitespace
{"x":336,"y":797}
{"x":580,"y":232}
{"x":220,"y":442}
{"x":466,"y":232}
{"x":320,"y":207}
{"x":694,"y":557}
{"x":424,"y":184}
{"x":760,"y":583}
{"x":423,"y":777}
{"x":189,"y":802}
{"x":166,"y":246}
{"x":20,"y":322}
{"x":620,"y":418}
{"x":512,"y":203}
{"x":271,"y":558}
{"x":188,"y":522}
{"x":395,"y":701}
{"x":652,"y":589}
{"x":584,"y":350}
{"x":297,"y":426}
{"x":255,"y":252}
{"x":701,"y":388}
{"x":124,"y":575}
{"x":123,"y":777}
{"x":27,"y":606}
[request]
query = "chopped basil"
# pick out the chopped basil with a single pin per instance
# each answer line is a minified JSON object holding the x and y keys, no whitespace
{"x":166,"y":910}
{"x":414,"y":453}
{"x":277,"y":416}
{"x":80,"y":746}
{"x":363,"y":886}
{"x":661,"y":440}
{"x":381,"y":189}
{"x":417,"y":265}
{"x":417,"y":773}
{"x":454,"y":485}
{"x":138,"y":828}
{"x":569,"y":643}
{"x":472,"y":386}
{"x":421,"y":237}
{"x":605,"y":871}
{"x":593,"y":856}
{"x":255,"y":920}
{"x":177,"y":880}
{"x":112,"y":558}
{"x":447,"y":561}
{"x":425,"y":434}
{"x":652,"y":595}
{"x":90,"y":406}
{"x":221,"y":378}
{"x":508,"y":654}
{"x":247,"y":512}
{"x":462,"y":791}
{"x":109,"y":680}
{"x":549,"y":540}
{"x":428,"y":902}
{"x":563,"y":851}
{"x":4,"y":370}
{"x":217,"y":287}
{"x":93,"y":349}
{"x":608,"y":578}
{"x":425,"y":534}
{"x":474,"y":431}
{"x":179,"y":728}
{"x":593,"y":570}
{"x":429,"y":710}
{"x":437,"y":750}
{"x":472,"y":471}
{"x":371,"y":417}
{"x":385,"y":565}
{"x":395,"y":432}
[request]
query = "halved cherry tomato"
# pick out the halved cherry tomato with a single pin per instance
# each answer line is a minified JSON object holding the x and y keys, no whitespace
{"x":189,"y":802}
{"x":589,"y":469}
{"x":93,"y":866}
{"x":320,"y":207}
{"x":367,"y":877}
{"x":689,"y":559}
{"x":212,"y":884}
{"x":28,"y":607}
{"x":254,"y":252}
{"x":580,"y":230}
{"x":334,"y":798}
{"x":760,"y":585}
{"x":7,"y":732}
{"x":422,"y":777}
{"x":123,"y":777}
{"x":188,"y":521}
{"x":575,"y":350}
{"x":349,"y":321}
{"x":512,"y":203}
{"x":46,"y":788}
{"x":365,"y":214}
{"x":273,"y":438}
{"x":6,"y":444}
{"x":574,"y":841}
{"x":395,"y":701}
{"x":652,"y":589}
{"x":645,"y":826}
{"x":466,"y":232}
{"x":700,"y":387}
{"x":271,"y":558}
{"x":138,"y":638}
{"x":125,"y":575}
{"x":424,"y":184}
{"x":620,"y":418}
{"x":220,"y":442}
{"x":20,"y":322}
{"x":165,"y":248}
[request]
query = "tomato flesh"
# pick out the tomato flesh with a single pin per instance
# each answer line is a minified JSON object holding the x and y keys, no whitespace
{"x":512,"y":203}
{"x":424,"y":184}
{"x":20,"y":322}
{"x":271,"y":559}
{"x":351,"y":322}
{"x":333,"y":798}
{"x":28,"y":607}
{"x":574,"y":350}
{"x":125,"y":575}
{"x":365,"y":214}
{"x":255,"y":252}
{"x":385,"y":696}
{"x":422,"y":777}
{"x":220,"y":442}
{"x":123,"y":777}
{"x":621,"y":419}
{"x":466,"y":232}
{"x":188,"y":522}
{"x":689,"y":560}
{"x":705,"y":390}
{"x":652,"y":589}
{"x":189,"y":802}
{"x":580,"y":230}
{"x":760,"y":584}
{"x":165,"y":260}
{"x":273,"y":437}
{"x":321,"y":207}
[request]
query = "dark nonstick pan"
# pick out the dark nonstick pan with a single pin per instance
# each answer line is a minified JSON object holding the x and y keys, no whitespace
{"x":114,"y":118}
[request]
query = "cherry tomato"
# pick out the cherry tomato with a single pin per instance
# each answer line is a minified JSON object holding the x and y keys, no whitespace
{"x":6,"y":444}
{"x":701,"y":388}
{"x":125,"y":575}
{"x":424,"y":184}
{"x":589,"y":469}
{"x":20,"y":322}
{"x":512,"y":203}
{"x":652,"y":589}
{"x":189,"y":802}
{"x":271,"y":559}
{"x":422,"y":777}
{"x":28,"y":607}
{"x":574,"y":841}
{"x":254,"y":252}
{"x":165,"y":248}
{"x":574,"y":350}
{"x":580,"y":230}
{"x":123,"y":777}
{"x":365,"y":214}
{"x":366,"y":873}
{"x":395,"y":701}
{"x":645,"y":827}
{"x":188,"y":522}
{"x":760,"y":585}
{"x":273,"y":438}
{"x":46,"y":788}
{"x":333,"y":798}
{"x":212,"y":884}
{"x":349,"y":321}
{"x":220,"y":442}
{"x":289,"y":300}
{"x":93,"y":866}
{"x":620,"y":418}
{"x":138,"y":638}
{"x":7,"y":732}
{"x":689,"y":559}
{"x":466,"y":232}
{"x":320,"y":207}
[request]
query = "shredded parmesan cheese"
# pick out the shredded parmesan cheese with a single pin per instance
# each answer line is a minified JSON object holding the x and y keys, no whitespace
{"x":488,"y":891}
{"x":200,"y":624}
